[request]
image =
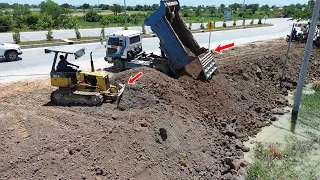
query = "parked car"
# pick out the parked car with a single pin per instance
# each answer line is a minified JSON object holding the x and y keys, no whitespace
{"x":10,"y":51}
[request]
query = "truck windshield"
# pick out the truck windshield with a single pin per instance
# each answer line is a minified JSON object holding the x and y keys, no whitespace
{"x":113,"y":41}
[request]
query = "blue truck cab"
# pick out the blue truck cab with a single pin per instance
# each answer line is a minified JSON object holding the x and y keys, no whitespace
{"x":123,"y":45}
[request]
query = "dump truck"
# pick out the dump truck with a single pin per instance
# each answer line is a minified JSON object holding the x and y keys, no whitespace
{"x":178,"y":47}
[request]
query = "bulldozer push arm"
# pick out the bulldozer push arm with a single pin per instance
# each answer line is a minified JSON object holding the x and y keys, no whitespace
{"x":176,"y":41}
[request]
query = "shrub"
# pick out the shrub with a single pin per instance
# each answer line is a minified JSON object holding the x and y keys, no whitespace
{"x":70,"y":22}
{"x":201,"y":26}
{"x":45,"y":21}
{"x":144,"y":29}
{"x":224,"y":24}
{"x":235,"y":23}
{"x":105,"y":21}
{"x":92,"y":16}
{"x":16,"y":36}
{"x":252,"y":21}
{"x":125,"y":27}
{"x":6,"y":23}
{"x":78,"y":35}
{"x":259,"y":22}
{"x":49,"y":35}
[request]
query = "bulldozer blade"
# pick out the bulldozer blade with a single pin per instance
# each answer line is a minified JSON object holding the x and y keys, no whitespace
{"x":119,"y":96}
{"x":208,"y":64}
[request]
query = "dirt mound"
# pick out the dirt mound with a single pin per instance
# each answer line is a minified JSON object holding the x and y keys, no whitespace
{"x":165,"y":129}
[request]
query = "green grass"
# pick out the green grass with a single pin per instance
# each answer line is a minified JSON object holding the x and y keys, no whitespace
{"x":85,"y":38}
{"x":87,"y":25}
{"x":297,"y":163}
{"x":103,"y":12}
{"x":40,"y":42}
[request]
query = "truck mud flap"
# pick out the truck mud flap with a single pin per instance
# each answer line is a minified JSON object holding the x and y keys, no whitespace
{"x":208,"y":64}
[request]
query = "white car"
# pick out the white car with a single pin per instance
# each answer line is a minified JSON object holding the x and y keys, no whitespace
{"x":10,"y":51}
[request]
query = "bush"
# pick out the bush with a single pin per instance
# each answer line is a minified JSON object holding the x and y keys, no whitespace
{"x":6,"y":23}
{"x":125,"y":27}
{"x":78,"y":35}
{"x":49,"y":35}
{"x":92,"y":16}
{"x":45,"y":21}
{"x":70,"y":22}
{"x":224,"y":24}
{"x":31,"y":20}
{"x":104,"y":21}
{"x":252,"y":21}
{"x":16,"y":36}
{"x":201,"y":26}
{"x":259,"y":22}
{"x":235,"y":23}
{"x":190,"y":25}
{"x":144,"y":29}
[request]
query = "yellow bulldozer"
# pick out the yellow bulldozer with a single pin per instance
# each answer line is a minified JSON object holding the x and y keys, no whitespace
{"x":89,"y":87}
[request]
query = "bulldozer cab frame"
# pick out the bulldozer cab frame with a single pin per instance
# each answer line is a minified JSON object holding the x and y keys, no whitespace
{"x":66,"y":51}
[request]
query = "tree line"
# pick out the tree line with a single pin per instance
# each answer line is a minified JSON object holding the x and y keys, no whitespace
{"x":51,"y":15}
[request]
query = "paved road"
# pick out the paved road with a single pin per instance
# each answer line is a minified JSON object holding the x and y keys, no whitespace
{"x":64,"y":34}
{"x":34,"y":61}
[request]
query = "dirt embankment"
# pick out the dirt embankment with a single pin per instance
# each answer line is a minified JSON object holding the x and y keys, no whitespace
{"x":165,"y":129}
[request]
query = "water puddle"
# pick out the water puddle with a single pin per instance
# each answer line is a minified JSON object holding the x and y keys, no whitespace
{"x":305,"y":131}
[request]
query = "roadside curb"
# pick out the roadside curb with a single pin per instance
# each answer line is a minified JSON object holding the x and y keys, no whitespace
{"x":70,"y":42}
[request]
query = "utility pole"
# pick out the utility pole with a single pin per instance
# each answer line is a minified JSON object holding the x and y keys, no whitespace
{"x":125,"y":13}
{"x":306,"y":57}
{"x":284,"y":67}
{"x":243,"y":6}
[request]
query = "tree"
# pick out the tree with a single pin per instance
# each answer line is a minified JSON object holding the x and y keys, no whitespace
{"x":155,"y":7}
{"x":20,"y":10}
{"x":49,"y":35}
{"x":52,"y":9}
{"x":16,"y":36}
{"x":45,"y":21}
{"x":78,"y":35}
{"x":298,"y":6}
{"x":116,"y":8}
{"x":235,"y":6}
{"x":66,"y":5}
{"x":6,"y":23}
{"x":265,"y":7}
{"x":198,"y":11}
{"x":92,"y":16}
{"x":85,"y":6}
{"x":222,"y":6}
{"x":104,"y":21}
{"x":31,"y":20}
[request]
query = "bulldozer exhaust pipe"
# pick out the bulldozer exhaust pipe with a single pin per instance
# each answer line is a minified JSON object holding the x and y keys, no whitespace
{"x":91,"y":62}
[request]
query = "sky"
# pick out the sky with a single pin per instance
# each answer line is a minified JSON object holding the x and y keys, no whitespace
{"x":182,"y":2}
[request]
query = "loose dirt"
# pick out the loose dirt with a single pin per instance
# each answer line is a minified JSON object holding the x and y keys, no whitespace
{"x":165,"y":128}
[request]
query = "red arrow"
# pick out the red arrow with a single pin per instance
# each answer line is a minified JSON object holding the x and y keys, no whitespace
{"x":220,"y":48}
{"x":134,"y":78}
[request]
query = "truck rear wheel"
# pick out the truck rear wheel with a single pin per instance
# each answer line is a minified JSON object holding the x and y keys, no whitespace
{"x":118,"y":64}
{"x":11,"y":56}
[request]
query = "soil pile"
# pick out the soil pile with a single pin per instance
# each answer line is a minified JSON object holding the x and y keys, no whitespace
{"x":165,"y":128}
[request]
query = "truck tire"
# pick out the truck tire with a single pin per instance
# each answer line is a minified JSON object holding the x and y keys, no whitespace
{"x":118,"y":64}
{"x":11,"y":56}
{"x":130,"y":56}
